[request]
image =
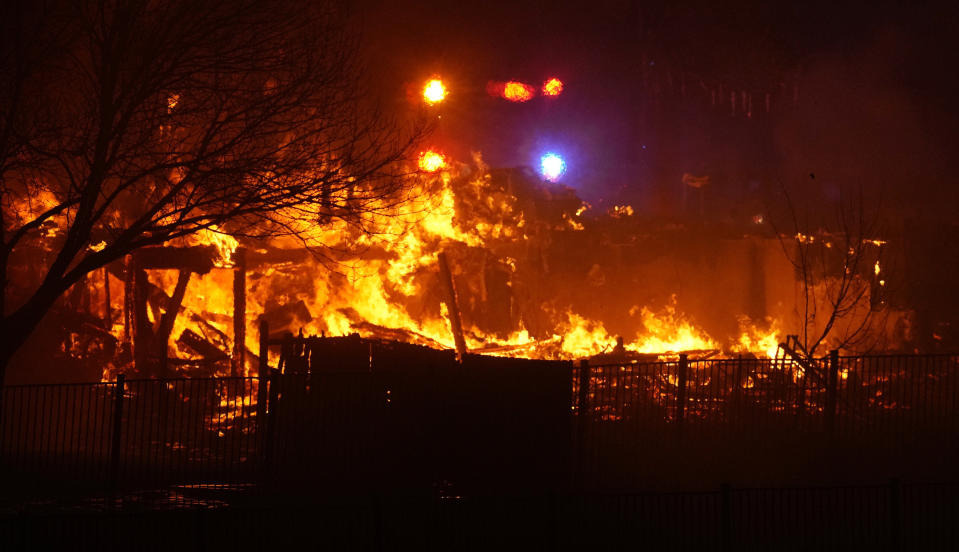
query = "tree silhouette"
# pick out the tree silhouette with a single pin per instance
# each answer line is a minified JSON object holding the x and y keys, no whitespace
{"x":835,"y":248}
{"x":126,"y":124}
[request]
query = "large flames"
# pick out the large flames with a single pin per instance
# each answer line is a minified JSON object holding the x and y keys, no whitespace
{"x":382,"y":282}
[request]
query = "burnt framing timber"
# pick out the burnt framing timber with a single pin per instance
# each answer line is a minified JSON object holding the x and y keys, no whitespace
{"x":150,"y":341}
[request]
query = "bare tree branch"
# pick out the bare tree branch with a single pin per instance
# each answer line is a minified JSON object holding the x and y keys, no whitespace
{"x":143,"y":122}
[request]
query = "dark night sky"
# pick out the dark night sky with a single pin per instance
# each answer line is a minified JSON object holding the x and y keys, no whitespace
{"x":877,"y":81}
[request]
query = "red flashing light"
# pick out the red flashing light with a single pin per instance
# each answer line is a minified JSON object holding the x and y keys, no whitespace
{"x":552,"y":87}
{"x":518,"y":91}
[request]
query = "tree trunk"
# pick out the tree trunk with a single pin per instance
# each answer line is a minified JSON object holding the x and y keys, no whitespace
{"x":161,"y":340}
{"x":16,"y":328}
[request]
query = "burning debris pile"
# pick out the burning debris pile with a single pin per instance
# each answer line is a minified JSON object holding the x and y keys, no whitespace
{"x":534,"y":272}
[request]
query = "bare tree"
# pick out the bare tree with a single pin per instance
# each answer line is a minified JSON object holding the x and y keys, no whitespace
{"x":131,"y":123}
{"x":836,"y":249}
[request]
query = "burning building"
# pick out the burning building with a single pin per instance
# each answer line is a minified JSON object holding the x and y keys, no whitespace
{"x":534,"y":271}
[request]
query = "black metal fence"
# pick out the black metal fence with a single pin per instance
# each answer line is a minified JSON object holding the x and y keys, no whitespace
{"x":81,"y":437}
{"x":616,"y":426}
{"x":844,"y":396}
{"x":765,"y":420}
{"x":62,"y":431}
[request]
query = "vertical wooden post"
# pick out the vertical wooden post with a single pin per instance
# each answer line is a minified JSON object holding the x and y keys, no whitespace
{"x":832,"y":383}
{"x":263,"y":374}
{"x":142,"y":331}
{"x":682,"y":369}
{"x":81,"y":290}
{"x":128,"y":301}
{"x":456,"y":325}
{"x":239,"y":313}
{"x":108,"y":307}
{"x":117,"y":427}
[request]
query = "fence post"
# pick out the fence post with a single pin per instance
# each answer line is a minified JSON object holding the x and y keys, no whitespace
{"x":583,"y":387}
{"x":263,"y":373}
{"x":117,"y":426}
{"x":270,"y":425}
{"x":682,"y":368}
{"x":832,"y":383}
{"x":583,"y":409}
{"x":801,"y":403}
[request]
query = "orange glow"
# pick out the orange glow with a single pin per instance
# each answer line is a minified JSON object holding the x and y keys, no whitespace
{"x":430,"y":161}
{"x":395,"y":288}
{"x":225,"y":244}
{"x":553,"y":87}
{"x":518,"y":91}
{"x":669,"y":332}
{"x":434,"y":91}
{"x":756,"y":340}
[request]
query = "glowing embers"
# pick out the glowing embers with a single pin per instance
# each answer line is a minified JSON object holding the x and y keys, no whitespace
{"x":552,"y":167}
{"x":430,"y":161}
{"x":553,"y":87}
{"x":434,"y":92}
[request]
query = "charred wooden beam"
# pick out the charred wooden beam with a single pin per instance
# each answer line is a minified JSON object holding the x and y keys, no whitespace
{"x":201,"y":346}
{"x":515,"y":348}
{"x":456,"y":325}
{"x":795,"y":351}
{"x":108,"y":308}
{"x":198,"y":368}
{"x":239,"y":311}
{"x":142,"y":331}
{"x":210,"y":332}
{"x":128,"y":299}
{"x":256,"y":258}
{"x":199,"y":259}
{"x":394,"y":334}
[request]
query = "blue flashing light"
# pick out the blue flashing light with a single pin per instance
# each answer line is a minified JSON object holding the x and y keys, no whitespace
{"x":552,"y":166}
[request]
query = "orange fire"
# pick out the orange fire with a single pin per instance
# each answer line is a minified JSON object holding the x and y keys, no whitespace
{"x":386,"y":280}
{"x":668,"y":331}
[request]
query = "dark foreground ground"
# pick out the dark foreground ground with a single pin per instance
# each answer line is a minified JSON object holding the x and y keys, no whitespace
{"x":888,"y":516}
